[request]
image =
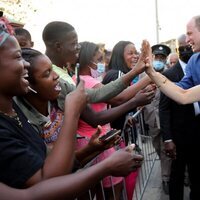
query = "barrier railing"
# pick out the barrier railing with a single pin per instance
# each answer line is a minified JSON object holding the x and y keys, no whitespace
{"x":135,"y":184}
{"x":145,"y":143}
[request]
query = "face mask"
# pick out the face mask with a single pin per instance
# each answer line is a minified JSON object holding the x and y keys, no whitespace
{"x":185,"y":53}
{"x":158,"y":65}
{"x":100,"y":67}
{"x":94,"y":73}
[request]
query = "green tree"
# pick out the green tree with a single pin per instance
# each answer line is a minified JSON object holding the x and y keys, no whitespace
{"x":18,"y":9}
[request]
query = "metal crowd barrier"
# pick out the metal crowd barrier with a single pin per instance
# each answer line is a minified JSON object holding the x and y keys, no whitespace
{"x":138,"y":135}
{"x":145,"y":143}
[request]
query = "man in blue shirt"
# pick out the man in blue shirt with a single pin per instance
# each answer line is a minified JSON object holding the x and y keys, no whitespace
{"x":192,"y":78}
{"x":192,"y":70}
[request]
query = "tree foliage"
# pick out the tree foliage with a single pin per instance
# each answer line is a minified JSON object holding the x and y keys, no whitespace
{"x":18,"y":9}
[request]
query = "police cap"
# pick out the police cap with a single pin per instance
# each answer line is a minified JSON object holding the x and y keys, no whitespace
{"x":161,"y":49}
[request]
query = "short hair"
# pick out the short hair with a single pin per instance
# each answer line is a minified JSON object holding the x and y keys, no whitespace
{"x":197,"y":21}
{"x":24,"y":32}
{"x":55,"y":31}
{"x":87,"y":52}
{"x":30,"y":56}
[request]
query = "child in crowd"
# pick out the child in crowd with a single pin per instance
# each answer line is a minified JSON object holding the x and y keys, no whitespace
{"x":23,"y":37}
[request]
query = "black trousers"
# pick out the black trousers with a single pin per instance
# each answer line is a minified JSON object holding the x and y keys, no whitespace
{"x":187,"y":154}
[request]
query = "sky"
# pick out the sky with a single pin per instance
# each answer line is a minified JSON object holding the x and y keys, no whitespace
{"x":109,"y":21}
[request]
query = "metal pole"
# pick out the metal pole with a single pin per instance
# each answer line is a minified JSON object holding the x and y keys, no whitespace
{"x":157,"y":22}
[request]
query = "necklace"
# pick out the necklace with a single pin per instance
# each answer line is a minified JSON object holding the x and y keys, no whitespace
{"x":14,"y":116}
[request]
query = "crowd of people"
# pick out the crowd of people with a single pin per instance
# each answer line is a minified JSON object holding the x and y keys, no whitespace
{"x":51,"y":121}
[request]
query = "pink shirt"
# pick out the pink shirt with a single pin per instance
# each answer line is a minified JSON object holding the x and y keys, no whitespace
{"x":85,"y":129}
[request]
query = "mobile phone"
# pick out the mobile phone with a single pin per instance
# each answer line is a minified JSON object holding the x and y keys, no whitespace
{"x":77,"y":74}
{"x":110,"y":134}
{"x":138,"y":150}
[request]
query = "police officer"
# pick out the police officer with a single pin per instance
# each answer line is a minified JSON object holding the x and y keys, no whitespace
{"x":160,"y":53}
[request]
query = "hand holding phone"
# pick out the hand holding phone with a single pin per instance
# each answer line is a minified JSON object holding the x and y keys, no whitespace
{"x":109,"y":135}
{"x":138,"y":150}
{"x":77,"y":74}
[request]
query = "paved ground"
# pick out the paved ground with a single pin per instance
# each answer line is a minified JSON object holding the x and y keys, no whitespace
{"x":154,"y":190}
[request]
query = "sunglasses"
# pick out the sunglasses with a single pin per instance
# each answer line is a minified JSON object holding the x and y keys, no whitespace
{"x":185,"y":48}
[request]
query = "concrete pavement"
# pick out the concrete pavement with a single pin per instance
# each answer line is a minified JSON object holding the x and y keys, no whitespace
{"x":154,"y":186}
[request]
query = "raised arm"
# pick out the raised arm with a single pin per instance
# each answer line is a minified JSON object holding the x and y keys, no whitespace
{"x":173,"y":91}
{"x":93,"y":118}
{"x":121,"y":163}
{"x":128,"y":77}
{"x":61,"y":158}
{"x":129,"y":92}
{"x":104,"y":93}
{"x":169,"y":88}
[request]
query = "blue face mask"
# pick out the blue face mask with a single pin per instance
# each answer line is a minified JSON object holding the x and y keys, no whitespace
{"x":158,"y":65}
{"x":100,"y":67}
